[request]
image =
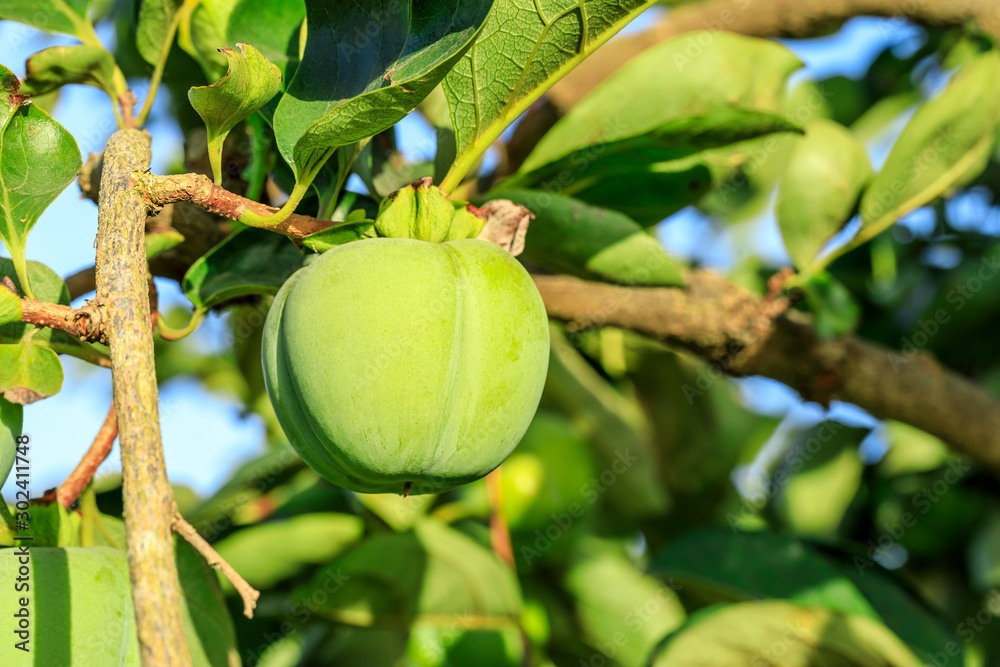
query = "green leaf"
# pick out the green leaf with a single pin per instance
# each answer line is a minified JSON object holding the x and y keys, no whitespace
{"x":248,"y":85}
{"x":11,"y":422}
{"x":162,"y":241}
{"x":204,"y":32}
{"x":209,"y":628}
{"x":432,"y":574}
{"x":52,"y":525}
{"x":10,"y":307}
{"x":735,"y":82}
{"x":29,"y":372}
{"x":835,"y":309}
{"x":273,"y":27}
{"x":569,"y":236}
{"x":269,"y":552}
{"x":948,"y":139}
{"x":156,"y":21}
{"x":781,"y":634}
{"x":38,"y":159}
{"x":618,"y":606}
{"x":651,"y":158}
{"x":340,"y":234}
{"x":68,"y":16}
{"x":616,"y":428}
{"x":722,"y":565}
{"x":57,"y":66}
{"x":822,"y":474}
{"x":820,"y":188}
{"x":523,"y":49}
{"x":249,"y":261}
{"x":399,"y":513}
{"x":364,"y":68}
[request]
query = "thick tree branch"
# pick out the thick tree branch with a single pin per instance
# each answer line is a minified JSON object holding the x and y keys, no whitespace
{"x":85,"y":323}
{"x":770,"y":18}
{"x":78,"y":480}
{"x":199,"y":190}
{"x":246,"y":591}
{"x":737,"y":332}
{"x":123,"y":291}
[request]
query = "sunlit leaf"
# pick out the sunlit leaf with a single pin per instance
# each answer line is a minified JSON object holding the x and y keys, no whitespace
{"x":11,"y":420}
{"x":820,"y":188}
{"x":248,"y":85}
{"x":68,"y":16}
{"x":38,"y":159}
{"x":29,"y":372}
{"x":364,"y":68}
{"x":57,"y":66}
{"x":569,"y":236}
{"x":782,"y":634}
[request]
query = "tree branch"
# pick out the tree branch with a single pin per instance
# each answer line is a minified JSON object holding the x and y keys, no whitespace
{"x":123,"y":291}
{"x":77,"y":481}
{"x":773,"y":18}
{"x":85,"y":323}
{"x":246,"y":591}
{"x":199,"y":190}
{"x":739,"y":333}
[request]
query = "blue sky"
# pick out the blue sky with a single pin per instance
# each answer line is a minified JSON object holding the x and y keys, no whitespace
{"x":204,"y":435}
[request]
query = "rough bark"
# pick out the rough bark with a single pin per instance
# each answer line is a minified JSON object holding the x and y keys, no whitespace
{"x":123,"y":293}
{"x":737,"y":332}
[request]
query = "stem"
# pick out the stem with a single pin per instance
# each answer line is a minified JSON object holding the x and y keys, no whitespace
{"x":21,"y":269}
{"x":254,"y":219}
{"x":81,"y":476}
{"x":161,"y":62}
{"x":147,"y":498}
{"x":499,"y":531}
{"x":246,"y":591}
{"x":168,"y":333}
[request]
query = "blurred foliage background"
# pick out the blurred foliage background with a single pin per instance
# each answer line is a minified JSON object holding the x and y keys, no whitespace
{"x":659,"y":513}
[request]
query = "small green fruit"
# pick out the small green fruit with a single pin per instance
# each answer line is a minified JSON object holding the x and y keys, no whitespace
{"x":398,"y":365}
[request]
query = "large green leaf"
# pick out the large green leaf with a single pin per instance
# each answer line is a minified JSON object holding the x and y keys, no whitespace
{"x":157,"y":24}
{"x":524,"y":48}
{"x":432,"y":574}
{"x":366,"y":66}
{"x":38,"y":159}
{"x":266,"y":553}
{"x":69,"y":16}
{"x":204,"y":33}
{"x":29,"y":372}
{"x":947,"y":141}
{"x":702,"y":94}
{"x":719,"y":564}
{"x":620,"y":607}
{"x":820,"y":188}
{"x":647,"y":149}
{"x":569,"y":236}
{"x":57,"y":66}
{"x":782,"y":634}
{"x":615,"y":426}
{"x":822,"y":474}
{"x":11,"y":421}
{"x":248,"y":85}
{"x":273,"y":27}
{"x":249,"y":261}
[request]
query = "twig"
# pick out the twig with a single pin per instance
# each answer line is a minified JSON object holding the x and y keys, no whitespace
{"x":82,"y":282}
{"x":148,"y":501}
{"x":77,"y":481}
{"x":201,"y":191}
{"x":85,"y":323}
{"x":499,"y":531}
{"x":246,"y":591}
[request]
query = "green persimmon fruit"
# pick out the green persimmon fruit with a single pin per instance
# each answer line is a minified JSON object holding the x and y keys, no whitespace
{"x":401,"y":365}
{"x":78,"y":611}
